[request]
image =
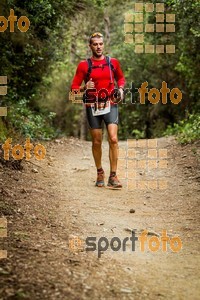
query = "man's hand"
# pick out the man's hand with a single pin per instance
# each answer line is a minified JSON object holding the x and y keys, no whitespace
{"x":121,"y":92}
{"x":89,"y":84}
{"x":117,"y":95}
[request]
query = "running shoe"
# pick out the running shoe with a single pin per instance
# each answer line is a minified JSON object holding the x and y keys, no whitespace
{"x":100,"y":179}
{"x":114,"y":183}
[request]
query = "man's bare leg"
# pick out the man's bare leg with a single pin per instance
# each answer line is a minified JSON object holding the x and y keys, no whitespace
{"x":96,"y":146}
{"x":113,"y":181}
{"x":113,"y":146}
{"x":97,"y":154}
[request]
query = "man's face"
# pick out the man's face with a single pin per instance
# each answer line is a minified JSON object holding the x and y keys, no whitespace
{"x":97,"y":46}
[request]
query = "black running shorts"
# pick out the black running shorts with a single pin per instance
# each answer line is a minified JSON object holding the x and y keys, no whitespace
{"x":95,"y":122}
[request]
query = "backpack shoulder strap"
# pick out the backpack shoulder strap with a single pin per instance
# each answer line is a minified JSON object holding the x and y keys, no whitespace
{"x":108,"y":60}
{"x":111,"y":67}
{"x":89,"y":62}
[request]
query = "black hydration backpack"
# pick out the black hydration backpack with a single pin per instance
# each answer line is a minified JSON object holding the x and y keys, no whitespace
{"x":90,"y":67}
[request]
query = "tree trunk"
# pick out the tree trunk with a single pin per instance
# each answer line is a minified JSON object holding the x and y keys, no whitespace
{"x":107,"y":32}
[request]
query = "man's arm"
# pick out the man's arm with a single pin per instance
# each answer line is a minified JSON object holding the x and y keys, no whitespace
{"x":120,"y":79}
{"x":119,"y":75}
{"x":79,"y":77}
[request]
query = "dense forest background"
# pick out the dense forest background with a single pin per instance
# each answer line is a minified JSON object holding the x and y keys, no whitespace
{"x":41,"y":63}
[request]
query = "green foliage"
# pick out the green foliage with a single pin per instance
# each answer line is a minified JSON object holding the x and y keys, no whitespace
{"x":137,"y":134}
{"x":187,"y":130}
{"x":29,"y":123}
{"x":28,"y":58}
{"x":3,"y":131}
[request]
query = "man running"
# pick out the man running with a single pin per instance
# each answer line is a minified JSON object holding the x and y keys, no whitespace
{"x":99,"y":73}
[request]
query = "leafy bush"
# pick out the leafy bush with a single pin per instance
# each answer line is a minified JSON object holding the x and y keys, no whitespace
{"x":31,"y":124}
{"x":187,"y":130}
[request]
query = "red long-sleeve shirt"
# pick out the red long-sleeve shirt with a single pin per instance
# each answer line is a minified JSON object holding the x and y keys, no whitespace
{"x":100,"y":76}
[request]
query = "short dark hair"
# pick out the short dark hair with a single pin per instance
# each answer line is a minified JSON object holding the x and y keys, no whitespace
{"x":96,"y":34}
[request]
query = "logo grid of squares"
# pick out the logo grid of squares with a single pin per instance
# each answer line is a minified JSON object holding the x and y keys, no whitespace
{"x":135,"y":27}
{"x":3,"y":234}
{"x":3,"y":92}
{"x":76,"y":96}
{"x":138,"y":160}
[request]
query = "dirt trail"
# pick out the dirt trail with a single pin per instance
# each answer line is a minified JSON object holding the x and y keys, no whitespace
{"x":56,"y":200}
